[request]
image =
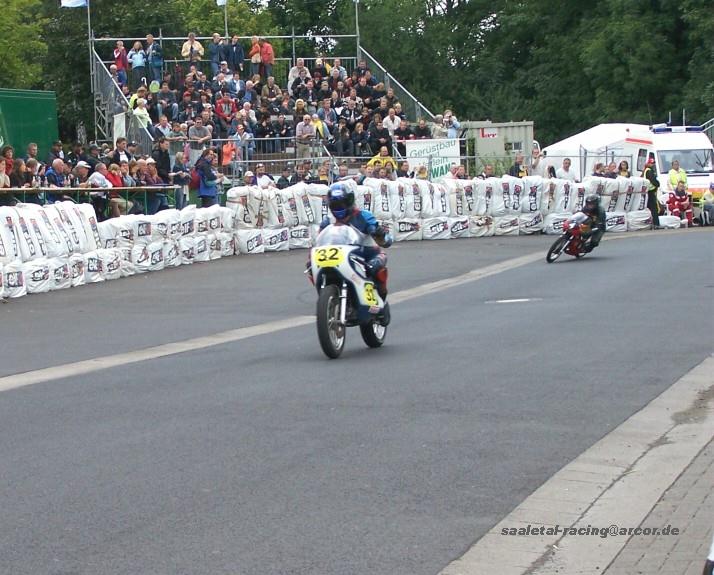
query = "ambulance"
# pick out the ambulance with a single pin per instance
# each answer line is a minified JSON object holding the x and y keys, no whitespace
{"x":635,"y":143}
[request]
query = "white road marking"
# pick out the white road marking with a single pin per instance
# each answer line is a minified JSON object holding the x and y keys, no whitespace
{"x":107,"y":362}
{"x":517,"y":300}
{"x":615,"y":482}
{"x":96,"y":364}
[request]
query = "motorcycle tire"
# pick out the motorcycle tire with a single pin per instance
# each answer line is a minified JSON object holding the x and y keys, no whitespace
{"x":556,"y":249}
{"x":373,"y":333}
{"x":329,"y":331}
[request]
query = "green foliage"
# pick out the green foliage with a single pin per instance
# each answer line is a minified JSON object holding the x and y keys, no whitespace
{"x":564,"y":65}
{"x":22,"y":52}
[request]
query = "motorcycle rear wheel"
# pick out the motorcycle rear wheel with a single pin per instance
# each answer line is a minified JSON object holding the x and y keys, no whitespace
{"x":556,"y":249}
{"x":373,"y":333}
{"x":330,"y":332}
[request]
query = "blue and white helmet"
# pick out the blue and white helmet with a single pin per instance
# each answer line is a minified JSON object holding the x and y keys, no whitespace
{"x":340,"y":200}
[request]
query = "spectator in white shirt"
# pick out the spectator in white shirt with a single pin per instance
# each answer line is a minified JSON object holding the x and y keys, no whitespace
{"x":564,"y":173}
{"x":98,"y":179}
{"x":391,"y":122}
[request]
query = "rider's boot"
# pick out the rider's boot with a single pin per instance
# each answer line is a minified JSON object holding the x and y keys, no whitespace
{"x":384,"y":316}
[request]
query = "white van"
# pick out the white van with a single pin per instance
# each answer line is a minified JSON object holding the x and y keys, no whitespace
{"x":634,"y":143}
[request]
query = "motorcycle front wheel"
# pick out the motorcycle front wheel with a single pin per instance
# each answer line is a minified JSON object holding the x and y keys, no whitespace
{"x":330,"y":332}
{"x":373,"y":333}
{"x":556,"y":249}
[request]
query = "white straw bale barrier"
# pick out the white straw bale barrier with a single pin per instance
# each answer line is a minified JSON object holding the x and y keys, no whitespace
{"x":300,"y":237}
{"x":564,"y":196}
{"x":364,"y":198}
{"x":44,"y":229}
{"x":60,"y":274}
{"x":639,"y":220}
{"x":290,"y":207}
{"x":249,"y":242}
{"x":530,"y":223}
{"x":276,"y":240}
{"x":317,"y":194}
{"x":553,"y":223}
{"x":481,"y":226}
{"x":56,"y":246}
{"x":408,"y":229}
{"x":532,"y":194}
{"x":459,"y":227}
{"x":279,"y":214}
{"x":381,"y":198}
{"x":37,"y":275}
{"x":436,"y":228}
{"x":506,"y":225}
{"x":670,"y":222}
{"x":512,"y":190}
{"x":415,"y":198}
{"x":202,"y":251}
{"x":397,"y":199}
{"x":13,"y":276}
{"x":111,"y":263}
{"x":215,"y":248}
{"x":9,"y":247}
{"x":616,"y":221}
{"x":93,"y":268}
{"x":639,"y":195}
{"x":228,"y":243}
{"x":187,"y":246}
{"x":31,"y":247}
{"x":78,"y":263}
{"x":172,"y":253}
{"x":108,"y":234}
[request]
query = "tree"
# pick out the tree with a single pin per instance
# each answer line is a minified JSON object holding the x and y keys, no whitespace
{"x":22,"y":52}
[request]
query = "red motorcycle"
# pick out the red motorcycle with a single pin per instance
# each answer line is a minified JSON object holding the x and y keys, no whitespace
{"x":571,"y":240}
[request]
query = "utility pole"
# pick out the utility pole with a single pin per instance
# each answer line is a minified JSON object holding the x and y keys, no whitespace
{"x":225,"y":16}
{"x":357,"y":26}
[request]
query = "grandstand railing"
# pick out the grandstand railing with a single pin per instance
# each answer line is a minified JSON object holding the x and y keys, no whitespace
{"x":173,"y":63}
{"x":109,"y":101}
{"x":411,"y":106}
{"x":708,"y":128}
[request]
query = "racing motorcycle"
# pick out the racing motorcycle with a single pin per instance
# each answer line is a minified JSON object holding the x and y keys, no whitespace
{"x":347,"y":296}
{"x":571,"y":240}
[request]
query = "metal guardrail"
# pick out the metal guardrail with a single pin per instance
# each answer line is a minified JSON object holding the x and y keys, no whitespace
{"x":84,"y":195}
{"x":708,"y":128}
{"x":411,"y":106}
{"x":109,"y":101}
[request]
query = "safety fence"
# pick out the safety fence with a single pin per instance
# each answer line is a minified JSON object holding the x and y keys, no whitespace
{"x":113,"y":117}
{"x":62,"y":245}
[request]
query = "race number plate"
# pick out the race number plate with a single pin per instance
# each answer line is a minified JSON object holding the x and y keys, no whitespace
{"x":370,"y":295}
{"x":329,"y":257}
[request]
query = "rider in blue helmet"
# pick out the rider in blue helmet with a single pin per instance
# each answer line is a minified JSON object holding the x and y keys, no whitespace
{"x":341,"y":202}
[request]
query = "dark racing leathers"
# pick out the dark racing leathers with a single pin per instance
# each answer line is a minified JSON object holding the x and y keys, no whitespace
{"x":597,"y":229}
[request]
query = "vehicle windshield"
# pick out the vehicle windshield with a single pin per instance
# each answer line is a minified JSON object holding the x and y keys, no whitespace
{"x":691,"y":161}
{"x":339,"y":235}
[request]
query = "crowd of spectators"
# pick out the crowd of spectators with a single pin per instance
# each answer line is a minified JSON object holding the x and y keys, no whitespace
{"x":226,"y":96}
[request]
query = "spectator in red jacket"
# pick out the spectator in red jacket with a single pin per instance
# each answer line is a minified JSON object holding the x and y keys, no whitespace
{"x":267,"y":58}
{"x":226,"y":110}
{"x":121,"y":62}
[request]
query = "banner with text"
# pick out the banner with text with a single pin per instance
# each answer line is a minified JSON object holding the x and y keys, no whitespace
{"x":442,"y":153}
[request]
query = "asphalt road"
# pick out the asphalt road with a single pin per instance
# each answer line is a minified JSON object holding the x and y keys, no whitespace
{"x":263,"y":457}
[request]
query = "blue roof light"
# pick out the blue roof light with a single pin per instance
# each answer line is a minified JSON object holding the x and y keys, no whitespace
{"x":665,"y":129}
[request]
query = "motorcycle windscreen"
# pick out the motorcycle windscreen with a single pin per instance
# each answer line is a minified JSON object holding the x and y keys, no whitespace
{"x":335,"y":235}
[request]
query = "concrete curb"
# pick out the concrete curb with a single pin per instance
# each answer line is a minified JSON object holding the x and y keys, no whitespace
{"x":615,"y":482}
